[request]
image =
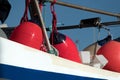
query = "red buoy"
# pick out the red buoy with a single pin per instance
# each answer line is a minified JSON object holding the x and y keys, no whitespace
{"x":111,"y":52}
{"x":66,"y":47}
{"x":29,"y":34}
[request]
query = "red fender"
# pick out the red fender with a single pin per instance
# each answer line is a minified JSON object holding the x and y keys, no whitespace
{"x":111,"y":52}
{"x":66,"y":47}
{"x":29,"y":34}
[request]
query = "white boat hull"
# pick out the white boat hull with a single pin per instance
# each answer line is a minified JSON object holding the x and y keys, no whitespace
{"x":19,"y":62}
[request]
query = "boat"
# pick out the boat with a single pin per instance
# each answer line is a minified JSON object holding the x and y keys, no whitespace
{"x":19,"y":61}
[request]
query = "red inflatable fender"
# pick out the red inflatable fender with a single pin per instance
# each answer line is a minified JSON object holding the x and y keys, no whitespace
{"x":66,"y":47}
{"x":111,"y":52}
{"x":29,"y":34}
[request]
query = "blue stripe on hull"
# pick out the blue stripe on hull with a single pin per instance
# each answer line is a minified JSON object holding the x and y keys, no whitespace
{"x":18,"y":73}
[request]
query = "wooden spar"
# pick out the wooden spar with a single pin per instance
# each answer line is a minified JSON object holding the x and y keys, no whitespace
{"x":34,"y":8}
{"x":78,"y":26}
{"x":86,"y":9}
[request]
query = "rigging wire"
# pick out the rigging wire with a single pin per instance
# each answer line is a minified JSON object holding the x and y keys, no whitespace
{"x":101,"y":42}
{"x":95,"y":48}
